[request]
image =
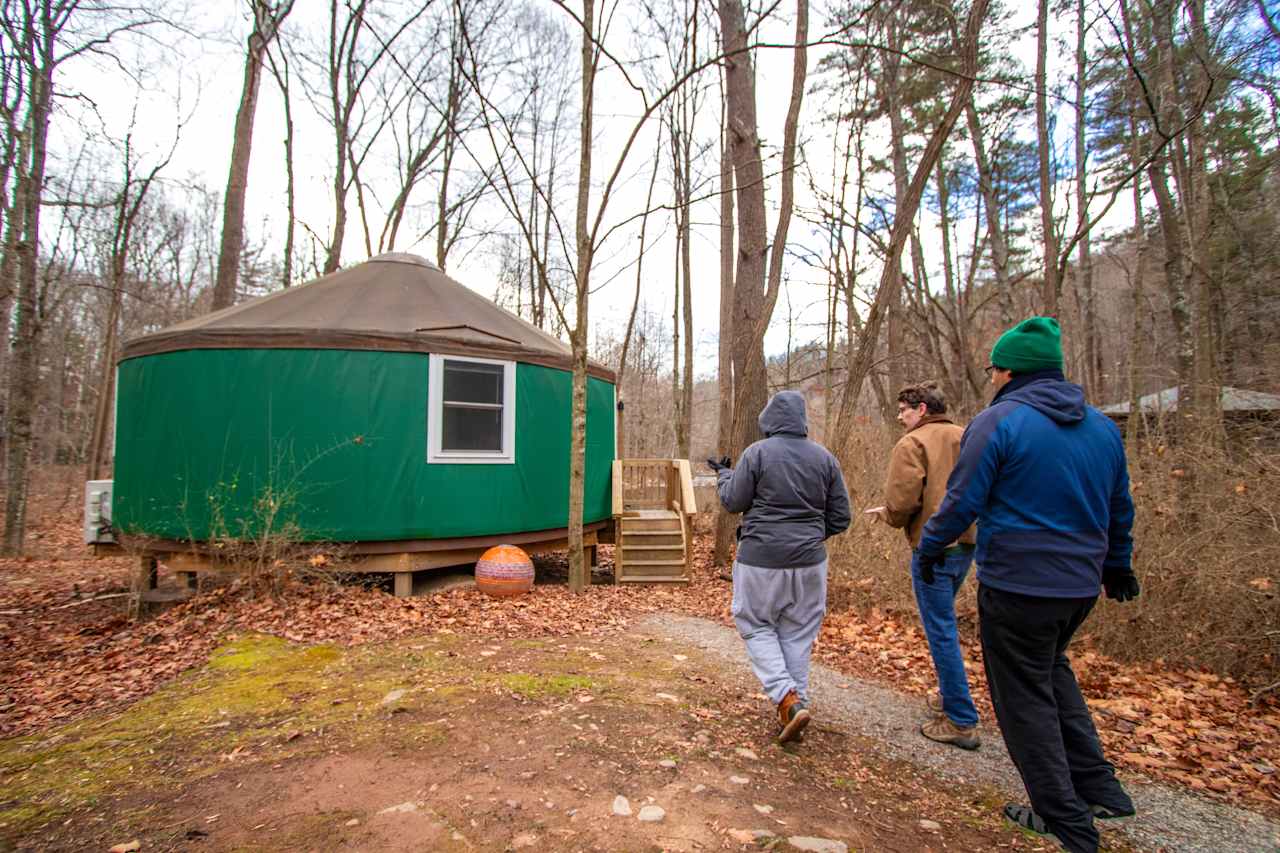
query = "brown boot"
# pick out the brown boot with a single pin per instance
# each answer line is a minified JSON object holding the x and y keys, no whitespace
{"x":793,"y":716}
{"x":943,"y":730}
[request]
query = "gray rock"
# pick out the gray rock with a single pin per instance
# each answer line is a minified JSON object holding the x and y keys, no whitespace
{"x":743,"y":752}
{"x":739,"y":780}
{"x":652,"y":814}
{"x":621,"y":806}
{"x":402,"y":808}
{"x":930,"y":825}
{"x":667,"y":763}
{"x":394,"y":696}
{"x":817,"y":845}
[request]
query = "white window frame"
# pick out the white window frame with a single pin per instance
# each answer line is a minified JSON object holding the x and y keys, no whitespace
{"x":435,"y":415}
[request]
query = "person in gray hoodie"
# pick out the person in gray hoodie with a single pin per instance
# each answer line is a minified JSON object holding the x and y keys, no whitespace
{"x":793,"y":498}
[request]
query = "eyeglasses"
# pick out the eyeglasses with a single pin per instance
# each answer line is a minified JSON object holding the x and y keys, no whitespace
{"x":989,"y":369}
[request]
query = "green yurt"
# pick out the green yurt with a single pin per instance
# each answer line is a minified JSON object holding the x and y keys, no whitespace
{"x":385,"y":403}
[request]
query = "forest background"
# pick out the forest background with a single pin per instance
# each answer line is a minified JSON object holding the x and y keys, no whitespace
{"x":719,"y":200}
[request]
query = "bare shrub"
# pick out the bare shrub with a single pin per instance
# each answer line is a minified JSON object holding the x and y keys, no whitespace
{"x":869,"y":564}
{"x":1206,"y":550}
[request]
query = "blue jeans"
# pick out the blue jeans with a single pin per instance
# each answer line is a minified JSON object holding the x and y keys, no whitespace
{"x":937,"y":604}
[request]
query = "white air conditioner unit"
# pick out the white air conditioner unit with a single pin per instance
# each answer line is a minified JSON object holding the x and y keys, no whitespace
{"x":97,"y":513}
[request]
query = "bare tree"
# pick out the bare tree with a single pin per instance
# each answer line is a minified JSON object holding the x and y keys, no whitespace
{"x":358,"y":44}
{"x":904,"y":216}
{"x":43,"y":35}
{"x":756,"y":284}
{"x":126,"y":206}
{"x":267,"y":18}
{"x":1049,"y":235}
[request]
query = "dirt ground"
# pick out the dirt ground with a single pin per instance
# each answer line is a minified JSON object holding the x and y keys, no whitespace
{"x":337,"y":717}
{"x":442,"y":743}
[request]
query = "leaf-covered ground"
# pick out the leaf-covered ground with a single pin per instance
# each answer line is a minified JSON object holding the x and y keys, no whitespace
{"x":67,"y":650}
{"x":443,"y":742}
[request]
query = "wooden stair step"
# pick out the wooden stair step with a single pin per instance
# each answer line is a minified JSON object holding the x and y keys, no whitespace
{"x":630,"y":563}
{"x":633,"y":555}
{"x":654,"y":579}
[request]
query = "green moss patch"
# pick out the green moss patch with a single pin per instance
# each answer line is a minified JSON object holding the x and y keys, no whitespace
{"x":542,"y":686}
{"x":252,"y":700}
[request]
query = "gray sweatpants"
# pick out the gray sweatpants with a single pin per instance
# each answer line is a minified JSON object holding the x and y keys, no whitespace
{"x":778,"y":612}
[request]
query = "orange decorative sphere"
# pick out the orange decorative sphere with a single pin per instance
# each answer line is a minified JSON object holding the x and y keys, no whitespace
{"x":504,"y":570}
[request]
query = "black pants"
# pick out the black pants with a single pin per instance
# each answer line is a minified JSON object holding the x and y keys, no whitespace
{"x":1046,"y":725}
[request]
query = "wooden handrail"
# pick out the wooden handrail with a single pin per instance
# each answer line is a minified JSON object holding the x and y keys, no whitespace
{"x":652,"y":484}
{"x":687,"y":500}
{"x":617,"y":488}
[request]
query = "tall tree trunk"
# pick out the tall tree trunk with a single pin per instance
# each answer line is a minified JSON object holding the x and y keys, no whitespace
{"x":750,"y":392}
{"x":724,"y":518}
{"x":686,"y":277}
{"x":266,"y":23}
{"x":620,"y":451}
{"x":579,"y":571}
{"x":995,"y":228}
{"x":106,"y":381}
{"x":443,"y":241}
{"x":1051,"y":286}
{"x":1084,"y":276}
{"x":28,"y":324}
{"x":290,"y":190}
{"x":680,"y":433}
{"x":1196,"y":204}
{"x":959,"y":391}
{"x":897,"y":142}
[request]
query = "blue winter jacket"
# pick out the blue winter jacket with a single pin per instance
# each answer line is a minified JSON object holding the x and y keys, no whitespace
{"x":1046,"y":478}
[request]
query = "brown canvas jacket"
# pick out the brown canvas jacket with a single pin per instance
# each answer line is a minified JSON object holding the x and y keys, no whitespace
{"x":919,"y":467}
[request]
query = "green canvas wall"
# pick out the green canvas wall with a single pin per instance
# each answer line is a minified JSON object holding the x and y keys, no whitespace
{"x":338,"y":437}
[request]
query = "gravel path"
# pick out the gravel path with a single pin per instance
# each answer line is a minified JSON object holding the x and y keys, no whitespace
{"x":1168,"y":818}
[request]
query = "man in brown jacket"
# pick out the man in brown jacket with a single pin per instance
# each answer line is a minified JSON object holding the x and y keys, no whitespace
{"x":916,"y":484}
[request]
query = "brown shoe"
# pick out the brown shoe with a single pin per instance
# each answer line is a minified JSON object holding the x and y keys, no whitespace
{"x":793,"y":716}
{"x":934,"y":702}
{"x":943,"y":730}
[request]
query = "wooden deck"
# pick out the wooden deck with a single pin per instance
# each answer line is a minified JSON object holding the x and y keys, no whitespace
{"x":400,"y":558}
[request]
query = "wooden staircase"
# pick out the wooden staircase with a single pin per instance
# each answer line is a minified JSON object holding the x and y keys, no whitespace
{"x":653,"y":506}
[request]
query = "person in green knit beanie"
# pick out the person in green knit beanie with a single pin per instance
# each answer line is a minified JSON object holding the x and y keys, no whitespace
{"x":1034,"y":344}
{"x":1044,"y":475}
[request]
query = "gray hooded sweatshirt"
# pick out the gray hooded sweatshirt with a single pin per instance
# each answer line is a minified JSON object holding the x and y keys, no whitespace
{"x":790,"y":488}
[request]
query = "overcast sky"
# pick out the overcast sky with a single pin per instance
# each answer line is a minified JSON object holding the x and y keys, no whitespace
{"x":200,"y":79}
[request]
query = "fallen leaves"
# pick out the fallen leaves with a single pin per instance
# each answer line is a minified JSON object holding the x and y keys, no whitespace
{"x":60,"y":662}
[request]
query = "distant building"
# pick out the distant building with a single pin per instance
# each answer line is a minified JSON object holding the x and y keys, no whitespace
{"x":1241,"y":409}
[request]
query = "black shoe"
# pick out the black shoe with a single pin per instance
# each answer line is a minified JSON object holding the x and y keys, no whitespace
{"x":1024,"y":817}
{"x":1107,"y":813}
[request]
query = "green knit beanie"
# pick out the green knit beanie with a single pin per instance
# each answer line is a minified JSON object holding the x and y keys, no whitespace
{"x":1034,"y":344}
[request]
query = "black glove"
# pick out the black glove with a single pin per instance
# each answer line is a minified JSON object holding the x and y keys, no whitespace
{"x":929,"y":562}
{"x":1120,"y":584}
{"x":718,"y":465}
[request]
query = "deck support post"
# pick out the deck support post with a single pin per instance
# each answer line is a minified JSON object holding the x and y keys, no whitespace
{"x":404,"y":584}
{"x":149,"y":571}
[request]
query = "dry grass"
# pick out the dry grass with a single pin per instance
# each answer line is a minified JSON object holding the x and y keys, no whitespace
{"x":1207,"y":552}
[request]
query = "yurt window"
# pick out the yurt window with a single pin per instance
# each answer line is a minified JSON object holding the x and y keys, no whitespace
{"x":471,"y":415}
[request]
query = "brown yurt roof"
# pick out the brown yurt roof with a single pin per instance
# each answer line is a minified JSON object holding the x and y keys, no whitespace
{"x":396,"y":301}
